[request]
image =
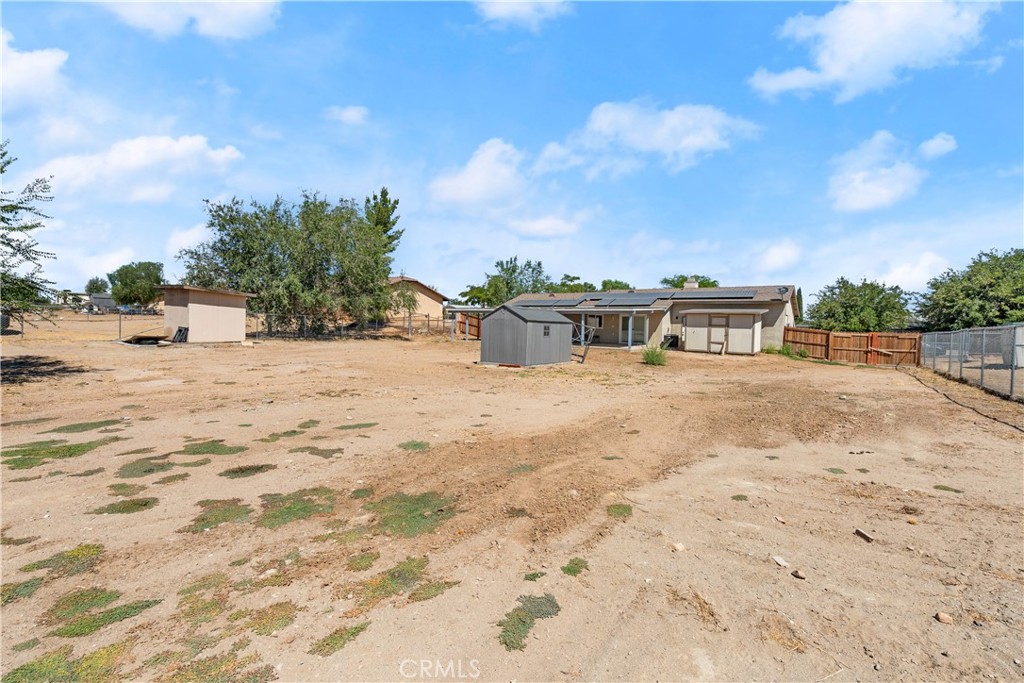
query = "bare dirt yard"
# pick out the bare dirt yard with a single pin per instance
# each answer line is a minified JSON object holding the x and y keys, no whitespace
{"x":390,"y":510}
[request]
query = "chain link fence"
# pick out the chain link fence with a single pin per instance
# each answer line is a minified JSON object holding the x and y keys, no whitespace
{"x":989,"y":357}
{"x":319,"y":327}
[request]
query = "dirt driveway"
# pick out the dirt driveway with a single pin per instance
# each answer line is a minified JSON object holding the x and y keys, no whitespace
{"x":369,"y":510}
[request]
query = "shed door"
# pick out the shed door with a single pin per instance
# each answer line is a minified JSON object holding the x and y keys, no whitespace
{"x":717,"y":333}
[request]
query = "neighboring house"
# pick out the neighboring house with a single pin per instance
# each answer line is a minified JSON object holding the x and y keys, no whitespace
{"x":102,"y":303}
{"x":708,"y":319}
{"x":429,"y":301}
{"x":525,"y":335}
{"x":208,"y":315}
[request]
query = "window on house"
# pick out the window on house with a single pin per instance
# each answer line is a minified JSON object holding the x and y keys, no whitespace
{"x":547,"y":330}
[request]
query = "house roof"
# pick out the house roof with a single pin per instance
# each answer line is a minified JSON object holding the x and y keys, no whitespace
{"x":533,"y":315}
{"x":394,"y":280}
{"x":657,"y":298}
{"x":190,"y":288}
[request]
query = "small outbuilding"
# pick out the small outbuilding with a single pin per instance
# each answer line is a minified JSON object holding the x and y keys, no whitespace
{"x":516,"y":335}
{"x":206,"y":315}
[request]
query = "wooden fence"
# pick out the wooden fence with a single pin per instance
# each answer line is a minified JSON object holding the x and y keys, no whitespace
{"x":866,"y":348}
{"x":474,"y":326}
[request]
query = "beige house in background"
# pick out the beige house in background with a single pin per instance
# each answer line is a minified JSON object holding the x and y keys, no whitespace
{"x":429,"y":301}
{"x":209,"y":315}
{"x":739,"y":320}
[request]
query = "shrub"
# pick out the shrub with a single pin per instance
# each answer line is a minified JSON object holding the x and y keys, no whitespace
{"x":654,"y":355}
{"x":769,"y":348}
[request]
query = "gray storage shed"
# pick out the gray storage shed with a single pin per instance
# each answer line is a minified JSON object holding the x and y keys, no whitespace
{"x":515,"y":335}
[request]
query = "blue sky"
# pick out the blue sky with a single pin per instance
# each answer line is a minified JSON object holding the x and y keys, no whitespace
{"x":759,"y":143}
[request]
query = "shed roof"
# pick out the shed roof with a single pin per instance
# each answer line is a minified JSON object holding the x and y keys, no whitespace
{"x":190,"y":288}
{"x":532,"y":315}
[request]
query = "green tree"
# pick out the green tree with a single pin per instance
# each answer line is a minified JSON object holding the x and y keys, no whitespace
{"x":678,"y":281}
{"x":609,"y":285}
{"x":869,"y":306}
{"x":380,"y":213}
{"x":511,"y":280}
{"x":97,"y":285}
{"x":572,"y":284}
{"x":315,"y":258}
{"x":23,"y":288}
{"x":989,"y":291}
{"x":136,"y":283}
{"x":799,"y":313}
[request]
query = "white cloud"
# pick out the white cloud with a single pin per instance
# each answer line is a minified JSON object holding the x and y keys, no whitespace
{"x":31,"y":76}
{"x":859,"y":47}
{"x":232,"y":20}
{"x":185,"y":238}
{"x":492,"y":174}
{"x":549,"y":226}
{"x":780,"y":256}
{"x":523,"y":13}
{"x":138,"y":169}
{"x":619,"y":135}
{"x":873,"y":175}
{"x":938,"y":146}
{"x":914,"y":275}
{"x":351,"y":115}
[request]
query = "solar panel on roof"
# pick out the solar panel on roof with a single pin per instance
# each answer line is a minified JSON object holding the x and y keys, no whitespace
{"x":709,"y":294}
{"x":538,"y":302}
{"x":605,"y":302}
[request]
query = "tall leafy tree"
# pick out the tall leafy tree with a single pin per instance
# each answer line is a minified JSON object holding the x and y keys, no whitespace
{"x":677,"y":281}
{"x":989,"y":291}
{"x":379,"y":210}
{"x":865,"y":307}
{"x":799,"y":313}
{"x":609,"y":285}
{"x":511,"y":279}
{"x":22,"y":285}
{"x":136,"y":283}
{"x":97,"y":285}
{"x":572,"y":284}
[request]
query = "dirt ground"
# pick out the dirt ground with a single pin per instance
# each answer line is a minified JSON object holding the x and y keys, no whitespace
{"x":738,"y":472}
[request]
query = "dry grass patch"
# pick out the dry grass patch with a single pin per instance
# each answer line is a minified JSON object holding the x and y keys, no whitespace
{"x":125,"y":490}
{"x":246,"y":471}
{"x":404,"y":515}
{"x":99,"y":666}
{"x":280,"y":509}
{"x":211,"y":447}
{"x":399,"y":579}
{"x":266,"y":621}
{"x":28,"y":455}
{"x":576,"y":566}
{"x":325,"y":453}
{"x":337,"y":639}
{"x":362,"y":561}
{"x":217,"y":512}
{"x":78,"y":560}
{"x":126,"y":507}
{"x":430,"y":590}
{"x":9,"y":592}
{"x":777,"y":629}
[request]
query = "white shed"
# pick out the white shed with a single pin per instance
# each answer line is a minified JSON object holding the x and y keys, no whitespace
{"x":207,"y":315}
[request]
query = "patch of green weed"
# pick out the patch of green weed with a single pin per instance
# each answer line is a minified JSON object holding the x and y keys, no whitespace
{"x":325,"y":453}
{"x":211,"y":447}
{"x":337,"y":639}
{"x":246,"y":471}
{"x":21,"y":423}
{"x":740,"y":497}
{"x":81,"y":427}
{"x":9,"y":592}
{"x":361,"y":561}
{"x":309,"y":424}
{"x":77,"y":603}
{"x":277,"y":436}
{"x":29,"y":455}
{"x":414,"y":445}
{"x":611,"y":457}
{"x":399,"y":579}
{"x":144,"y":467}
{"x":863,"y":470}
{"x":90,"y":623}
{"x":575,"y":566}
{"x":362,"y":493}
{"x":7,"y":540}
{"x":78,"y":560}
{"x":225,"y":668}
{"x":265,"y":621}
{"x":533,"y":576}
{"x":430,"y":590}
{"x":620,"y":510}
{"x":239,"y":562}
{"x":517,"y":624}
{"x":26,"y":645}
{"x":126,"y":507}
{"x":194,"y":463}
{"x":138,"y":451}
{"x":217,"y":512}
{"x":943,"y":487}
{"x":347,"y":536}
{"x":124,"y":490}
{"x":835,"y":470}
{"x":280,"y":509}
{"x":404,"y":515}
{"x":172,"y":478}
{"x":99,"y":666}
{"x":17,"y":479}
{"x":359,"y":425}
{"x":522,"y":469}
{"x":89,"y":473}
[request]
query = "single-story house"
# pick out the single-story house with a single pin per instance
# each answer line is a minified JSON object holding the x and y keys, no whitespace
{"x":709,"y":319}
{"x":429,"y":301}
{"x":207,"y":315}
{"x":521,"y":335}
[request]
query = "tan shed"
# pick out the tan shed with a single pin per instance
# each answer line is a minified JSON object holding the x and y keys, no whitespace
{"x":206,"y":315}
